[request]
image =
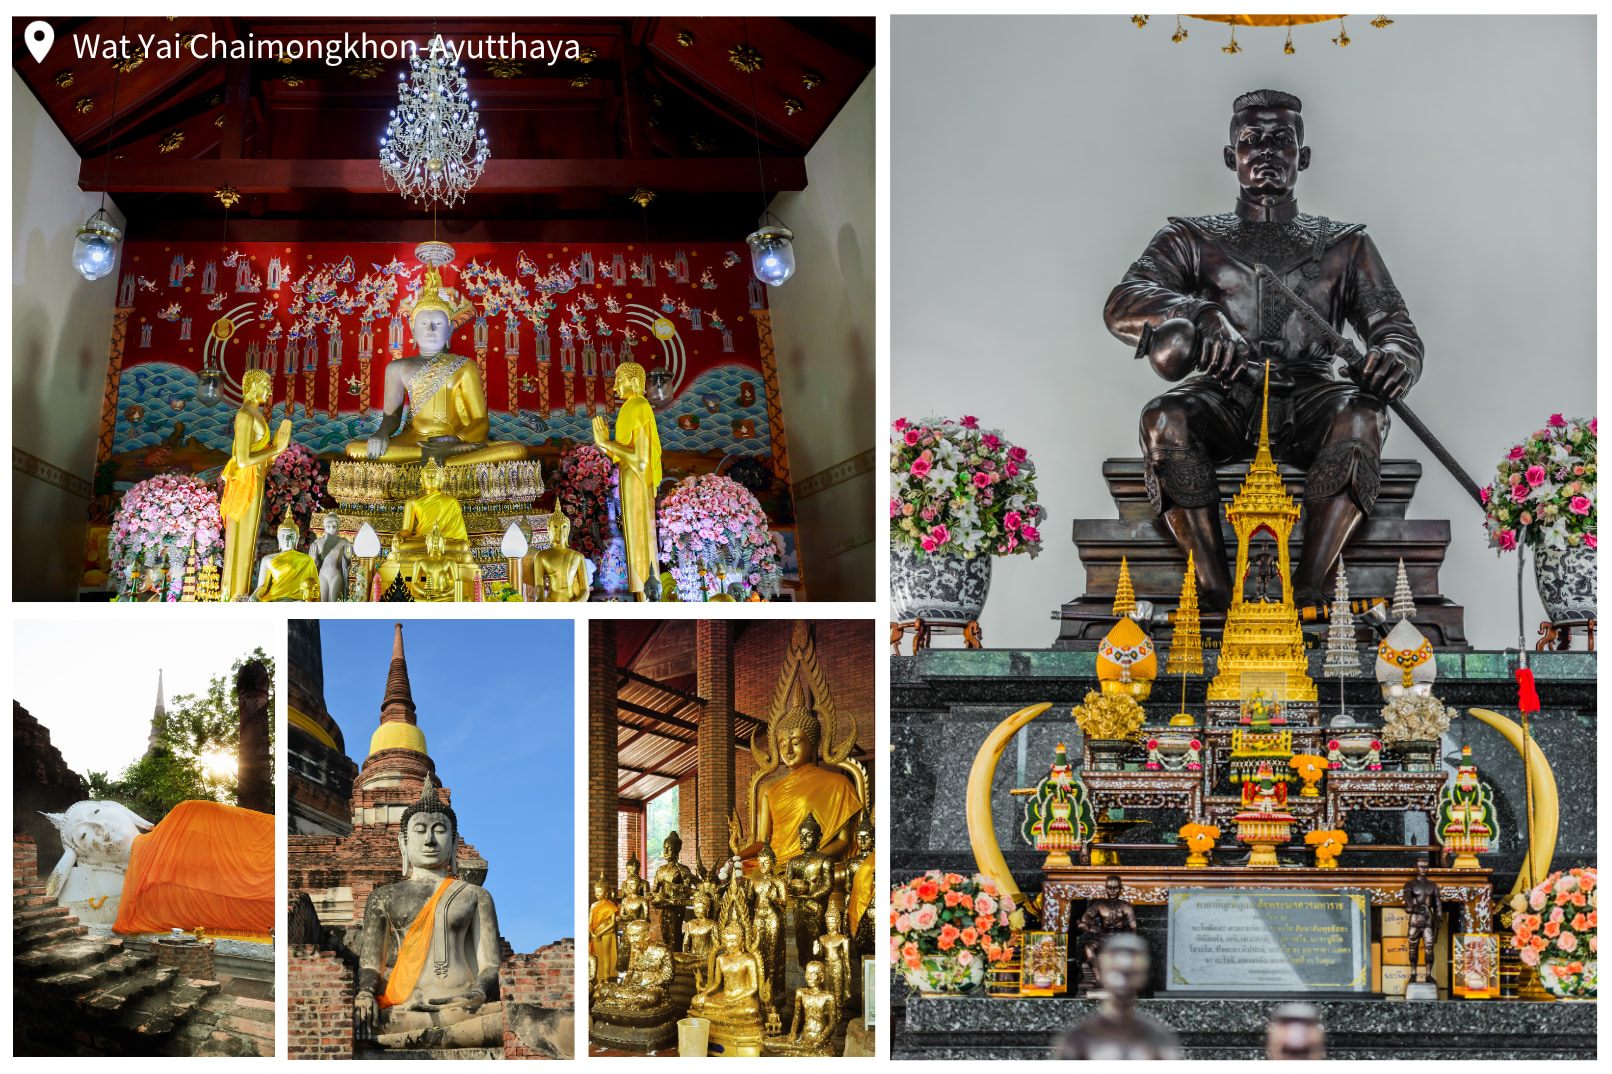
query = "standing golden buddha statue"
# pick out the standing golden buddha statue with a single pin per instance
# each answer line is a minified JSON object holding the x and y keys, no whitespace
{"x":636,"y":452}
{"x":767,"y":923}
{"x":634,"y":894}
{"x":834,"y":950}
{"x":251,"y":453}
{"x":602,"y":931}
{"x":855,"y":878}
{"x":447,"y":401}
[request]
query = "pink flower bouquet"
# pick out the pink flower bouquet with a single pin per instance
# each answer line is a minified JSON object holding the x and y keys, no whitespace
{"x":297,"y":479}
{"x":160,"y":514}
{"x":587,"y":481}
{"x":1543,"y":493}
{"x":959,"y":489}
{"x":714,"y":523}
{"x":1554,"y":927}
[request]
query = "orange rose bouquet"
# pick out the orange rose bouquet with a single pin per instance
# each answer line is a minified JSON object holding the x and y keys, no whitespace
{"x":1553,"y":927}
{"x":945,"y":929}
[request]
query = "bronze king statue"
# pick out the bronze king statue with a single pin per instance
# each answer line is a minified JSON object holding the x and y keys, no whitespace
{"x":1196,"y":302}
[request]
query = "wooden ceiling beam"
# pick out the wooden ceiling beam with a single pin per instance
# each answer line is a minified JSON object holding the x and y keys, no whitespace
{"x":625,"y":673}
{"x":279,"y":176}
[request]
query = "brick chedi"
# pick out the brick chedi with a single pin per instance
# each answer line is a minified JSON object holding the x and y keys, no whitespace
{"x":321,"y":788}
{"x":339,"y":872}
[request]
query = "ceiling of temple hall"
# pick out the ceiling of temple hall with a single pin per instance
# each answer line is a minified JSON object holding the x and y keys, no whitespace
{"x":659,"y":103}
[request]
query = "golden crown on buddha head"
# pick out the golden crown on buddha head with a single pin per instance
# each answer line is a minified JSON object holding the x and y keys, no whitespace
{"x":431,"y":295}
{"x":289,"y":524}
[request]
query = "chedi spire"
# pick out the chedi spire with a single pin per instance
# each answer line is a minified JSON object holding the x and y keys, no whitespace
{"x":398,"y":703}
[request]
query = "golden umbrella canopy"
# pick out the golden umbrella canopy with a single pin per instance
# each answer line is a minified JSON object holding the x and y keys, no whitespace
{"x":1342,"y":40}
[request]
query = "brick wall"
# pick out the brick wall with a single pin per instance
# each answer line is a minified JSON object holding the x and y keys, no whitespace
{"x":190,"y":961}
{"x":629,"y":841}
{"x":546,"y":978}
{"x":24,"y":859}
{"x":688,"y":821}
{"x":319,"y":1018}
{"x":604,"y":838}
{"x":714,"y":678}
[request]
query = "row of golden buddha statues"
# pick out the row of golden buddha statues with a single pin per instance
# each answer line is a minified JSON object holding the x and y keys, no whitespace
{"x":447,"y":426}
{"x":725,"y":930}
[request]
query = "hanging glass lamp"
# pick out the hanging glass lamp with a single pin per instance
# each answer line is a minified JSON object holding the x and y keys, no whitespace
{"x":772,"y":251}
{"x":95,"y":248}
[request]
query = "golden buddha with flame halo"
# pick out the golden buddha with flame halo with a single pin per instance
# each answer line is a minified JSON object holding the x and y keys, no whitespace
{"x":832,"y":791}
{"x":446,"y":398}
{"x":1262,"y":638}
{"x":636,"y":452}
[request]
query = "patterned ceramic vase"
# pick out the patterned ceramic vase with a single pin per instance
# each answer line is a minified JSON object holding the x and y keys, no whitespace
{"x":1566,"y":581}
{"x":1108,"y":754}
{"x":943,"y":975}
{"x":1568,"y":979}
{"x":940,"y":588}
{"x":1419,"y":755}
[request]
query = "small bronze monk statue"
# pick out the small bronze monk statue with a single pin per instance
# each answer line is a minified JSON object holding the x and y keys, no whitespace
{"x":1104,"y":917}
{"x":1194,"y":303}
{"x":1118,"y":1030}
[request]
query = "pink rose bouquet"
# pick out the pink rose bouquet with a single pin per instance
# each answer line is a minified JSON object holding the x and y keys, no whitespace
{"x":946,"y":929}
{"x":1543,"y":492}
{"x":159,"y":515}
{"x":587,"y":481}
{"x":959,"y":489}
{"x":713,"y":523}
{"x":297,"y":479}
{"x":1555,"y":922}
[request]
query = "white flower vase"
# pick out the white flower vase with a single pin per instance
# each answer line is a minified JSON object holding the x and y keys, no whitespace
{"x":944,"y":975}
{"x":936,"y":588}
{"x":1566,"y":581}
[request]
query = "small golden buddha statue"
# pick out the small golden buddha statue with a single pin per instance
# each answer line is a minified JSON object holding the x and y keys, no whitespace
{"x":432,"y":508}
{"x":252,"y":451}
{"x":700,"y":938}
{"x":287,"y":574}
{"x":668,"y":588}
{"x":856,"y":878}
{"x":643,"y":986}
{"x":833,"y":948}
{"x":433,"y":578}
{"x":767,"y":922}
{"x":674,"y":885}
{"x":732,"y":999}
{"x":558,"y":572}
{"x":636,"y":453}
{"x":809,"y":877}
{"x":816,"y":1019}
{"x":602,"y":914}
{"x":447,"y":402}
{"x":440,"y":985}
{"x":634,"y":893}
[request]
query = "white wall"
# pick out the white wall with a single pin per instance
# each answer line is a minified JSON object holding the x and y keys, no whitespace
{"x":823,"y":332}
{"x":1020,"y":196}
{"x":61,"y":330}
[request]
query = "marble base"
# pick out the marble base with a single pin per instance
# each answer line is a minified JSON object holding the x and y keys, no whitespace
{"x":969,"y":1028}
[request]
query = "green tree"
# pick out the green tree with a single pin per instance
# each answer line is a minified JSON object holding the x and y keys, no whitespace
{"x":200,"y":731}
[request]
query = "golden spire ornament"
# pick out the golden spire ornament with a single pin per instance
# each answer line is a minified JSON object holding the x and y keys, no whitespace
{"x":1124,"y":595}
{"x":1186,"y":641}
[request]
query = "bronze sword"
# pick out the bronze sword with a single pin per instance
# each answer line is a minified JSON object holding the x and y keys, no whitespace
{"x":1354,"y":359}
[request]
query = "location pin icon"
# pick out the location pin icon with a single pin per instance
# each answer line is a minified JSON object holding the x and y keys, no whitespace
{"x":40,"y":37}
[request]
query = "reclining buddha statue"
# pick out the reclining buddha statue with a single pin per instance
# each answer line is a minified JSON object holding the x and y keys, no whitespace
{"x":447,"y":403}
{"x":429,"y":954}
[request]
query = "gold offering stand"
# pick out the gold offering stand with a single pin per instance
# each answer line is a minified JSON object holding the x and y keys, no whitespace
{"x":492,"y":495}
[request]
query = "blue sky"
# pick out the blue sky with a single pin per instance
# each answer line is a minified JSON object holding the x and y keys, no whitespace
{"x":495,"y":701}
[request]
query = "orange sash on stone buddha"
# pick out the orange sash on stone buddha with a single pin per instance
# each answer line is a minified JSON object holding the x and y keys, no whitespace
{"x":412,"y":954}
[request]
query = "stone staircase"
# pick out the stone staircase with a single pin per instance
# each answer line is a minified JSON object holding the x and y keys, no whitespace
{"x":77,"y":994}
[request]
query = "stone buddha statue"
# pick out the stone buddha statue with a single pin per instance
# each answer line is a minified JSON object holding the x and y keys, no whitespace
{"x":429,"y":955}
{"x":732,"y":999}
{"x":558,"y":572}
{"x":334,"y":555}
{"x":808,"y":789}
{"x":602,"y":914}
{"x":643,"y":987}
{"x":674,"y":886}
{"x":817,"y":1015}
{"x":447,"y":403}
{"x":284,"y":574}
{"x":636,"y":452}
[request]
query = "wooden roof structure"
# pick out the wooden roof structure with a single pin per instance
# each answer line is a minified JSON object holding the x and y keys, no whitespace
{"x":659,"y":103}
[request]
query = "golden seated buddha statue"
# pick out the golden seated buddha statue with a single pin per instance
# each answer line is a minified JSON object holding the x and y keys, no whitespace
{"x":437,"y":576}
{"x":816,"y":1019}
{"x":732,"y":999}
{"x":636,"y":1013}
{"x":447,"y":402}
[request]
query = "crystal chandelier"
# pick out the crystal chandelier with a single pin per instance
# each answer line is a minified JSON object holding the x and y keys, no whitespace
{"x":433,"y":150}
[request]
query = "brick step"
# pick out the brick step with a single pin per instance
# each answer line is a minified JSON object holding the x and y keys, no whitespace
{"x":21,"y":918}
{"x":124,"y":994}
{"x":50,"y":932}
{"x":62,"y":957}
{"x":231,"y":1025}
{"x":161,"y":1012}
{"x":27,"y":885}
{"x":30,"y":900}
{"x":98,"y":975}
